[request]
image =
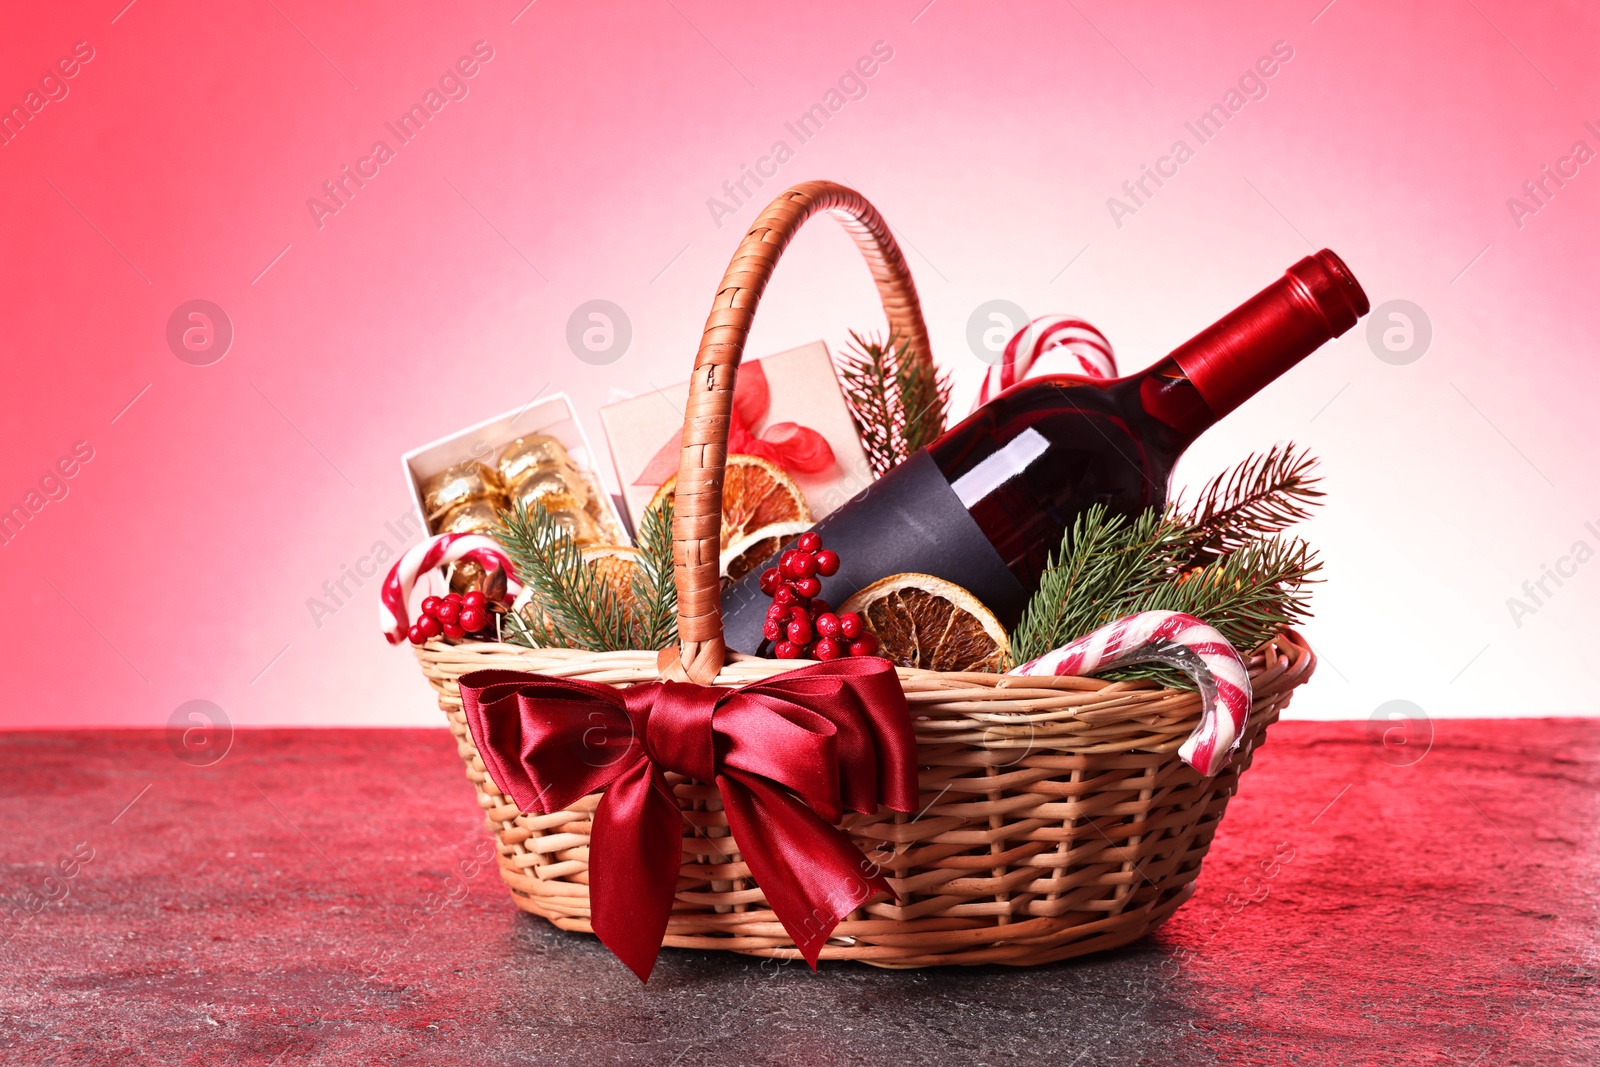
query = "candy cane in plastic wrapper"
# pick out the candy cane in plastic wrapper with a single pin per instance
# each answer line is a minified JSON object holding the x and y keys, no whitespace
{"x":1182,"y":641}
{"x":1053,"y":344}
{"x":422,"y":558}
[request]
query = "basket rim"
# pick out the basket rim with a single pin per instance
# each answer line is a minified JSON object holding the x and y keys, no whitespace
{"x":938,"y":701}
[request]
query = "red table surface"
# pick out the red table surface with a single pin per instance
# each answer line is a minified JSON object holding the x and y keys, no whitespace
{"x":314,"y":898}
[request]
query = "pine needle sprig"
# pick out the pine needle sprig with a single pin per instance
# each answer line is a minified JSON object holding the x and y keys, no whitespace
{"x":865,"y":374}
{"x":655,"y":593}
{"x":572,"y":606}
{"x":1248,"y":596}
{"x":924,"y":400}
{"x":1110,"y":567}
{"x":898,"y":400}
{"x":1104,"y":561}
{"x":1267,"y":492}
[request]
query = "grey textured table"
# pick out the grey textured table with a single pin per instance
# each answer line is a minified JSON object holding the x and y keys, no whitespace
{"x":317,"y":897}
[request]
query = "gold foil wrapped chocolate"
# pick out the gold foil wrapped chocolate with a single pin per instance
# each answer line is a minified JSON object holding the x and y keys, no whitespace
{"x":464,"y":575}
{"x":528,"y":454}
{"x":457,"y":485}
{"x":571,"y":517}
{"x":533,"y":471}
{"x":597,"y":508}
{"x":543,"y":482}
{"x":479,"y":515}
{"x":467,"y":574}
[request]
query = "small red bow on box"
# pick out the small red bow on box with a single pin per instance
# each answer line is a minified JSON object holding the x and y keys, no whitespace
{"x":797,"y":449}
{"x":789,"y":755}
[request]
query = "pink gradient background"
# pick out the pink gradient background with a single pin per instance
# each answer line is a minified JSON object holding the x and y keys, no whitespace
{"x":180,"y":564}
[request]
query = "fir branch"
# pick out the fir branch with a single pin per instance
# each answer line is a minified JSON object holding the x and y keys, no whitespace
{"x":924,"y":399}
{"x":897,"y":399}
{"x":1110,"y":567}
{"x":1103,"y":560}
{"x":1248,"y":596}
{"x":570,"y":604}
{"x":865,"y":374}
{"x":1262,"y":495}
{"x":655,"y":593}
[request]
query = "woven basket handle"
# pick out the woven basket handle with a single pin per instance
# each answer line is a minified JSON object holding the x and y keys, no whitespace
{"x":697,"y":521}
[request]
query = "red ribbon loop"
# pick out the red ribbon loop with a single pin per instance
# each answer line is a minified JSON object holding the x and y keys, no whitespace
{"x":797,"y":449}
{"x":789,"y":756}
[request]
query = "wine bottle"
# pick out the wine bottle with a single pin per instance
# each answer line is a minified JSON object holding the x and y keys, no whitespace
{"x":987,"y":503}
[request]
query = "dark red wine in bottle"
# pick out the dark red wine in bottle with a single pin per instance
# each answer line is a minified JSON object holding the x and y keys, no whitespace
{"x":987,"y":503}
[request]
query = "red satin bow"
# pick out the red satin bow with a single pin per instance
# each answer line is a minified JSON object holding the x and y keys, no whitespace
{"x":797,"y":449}
{"x":789,"y":755}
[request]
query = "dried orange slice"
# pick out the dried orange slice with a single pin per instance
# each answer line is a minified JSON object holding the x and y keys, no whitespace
{"x":755,"y":493}
{"x":927,"y":622}
{"x":744,"y":556}
{"x":613,"y":564}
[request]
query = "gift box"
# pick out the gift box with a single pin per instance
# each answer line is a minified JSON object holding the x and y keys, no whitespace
{"x":552,"y":414}
{"x":786,"y":403}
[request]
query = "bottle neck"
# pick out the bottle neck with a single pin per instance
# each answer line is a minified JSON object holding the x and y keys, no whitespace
{"x":1169,"y":396}
{"x":1230,"y":361}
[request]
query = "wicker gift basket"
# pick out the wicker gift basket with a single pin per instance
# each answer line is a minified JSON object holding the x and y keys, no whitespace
{"x":1056,"y":818}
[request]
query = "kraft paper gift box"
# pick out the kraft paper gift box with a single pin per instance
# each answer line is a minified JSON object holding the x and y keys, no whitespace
{"x":801,"y":387}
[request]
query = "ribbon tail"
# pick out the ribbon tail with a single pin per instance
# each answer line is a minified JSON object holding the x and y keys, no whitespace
{"x":752,"y":394}
{"x":635,"y":851}
{"x":662,"y":465}
{"x":811,"y":873}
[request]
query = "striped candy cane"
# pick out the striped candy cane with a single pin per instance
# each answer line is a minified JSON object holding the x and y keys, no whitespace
{"x":1054,"y":344}
{"x":1180,"y":640}
{"x":422,"y":558}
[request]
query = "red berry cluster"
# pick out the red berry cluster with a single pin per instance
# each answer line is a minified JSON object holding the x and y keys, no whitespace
{"x":455,"y":616}
{"x":800,"y":623}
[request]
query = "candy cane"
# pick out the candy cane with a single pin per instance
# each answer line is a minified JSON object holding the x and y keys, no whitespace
{"x":1054,"y":344}
{"x":421,"y":558}
{"x":1180,"y":640}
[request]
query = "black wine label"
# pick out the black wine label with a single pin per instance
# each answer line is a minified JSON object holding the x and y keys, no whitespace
{"x":908,"y":520}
